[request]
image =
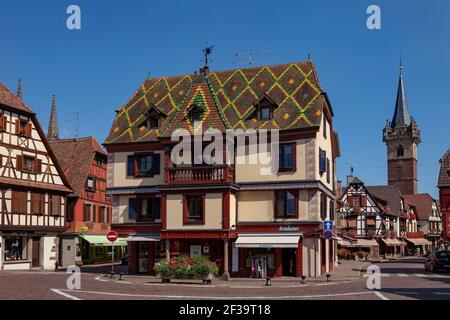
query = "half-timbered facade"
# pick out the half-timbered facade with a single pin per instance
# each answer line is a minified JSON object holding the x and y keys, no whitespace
{"x":370,"y":225}
{"x":33,"y":189}
{"x":249,"y":223}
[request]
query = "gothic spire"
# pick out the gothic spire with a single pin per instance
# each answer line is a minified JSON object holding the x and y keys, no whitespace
{"x":19,"y":89}
{"x":53,"y":133}
{"x":402,"y":116}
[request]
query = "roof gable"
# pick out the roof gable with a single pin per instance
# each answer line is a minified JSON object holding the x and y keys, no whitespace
{"x":9,"y":99}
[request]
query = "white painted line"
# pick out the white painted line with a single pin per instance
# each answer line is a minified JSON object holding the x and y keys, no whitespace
{"x":126,"y":282}
{"x":100,"y":279}
{"x":65,"y":294}
{"x":402,"y":275}
{"x":222,"y":297}
{"x":379,"y":295}
{"x":438,"y":276}
{"x":442,"y":293}
{"x":420,"y":275}
{"x":181,"y":284}
{"x":366,"y":275}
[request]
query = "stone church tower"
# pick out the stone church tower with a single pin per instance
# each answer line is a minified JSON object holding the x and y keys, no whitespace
{"x":53,"y":132}
{"x":402,"y":136}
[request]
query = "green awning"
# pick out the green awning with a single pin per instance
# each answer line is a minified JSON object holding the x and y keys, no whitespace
{"x":101,"y":240}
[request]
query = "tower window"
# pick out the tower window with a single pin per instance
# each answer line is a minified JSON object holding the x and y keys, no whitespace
{"x":400,"y":151}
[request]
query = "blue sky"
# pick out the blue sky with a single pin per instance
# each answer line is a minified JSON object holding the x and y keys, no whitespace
{"x":95,"y":70}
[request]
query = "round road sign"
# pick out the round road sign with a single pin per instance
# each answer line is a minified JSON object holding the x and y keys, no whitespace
{"x":112,"y":236}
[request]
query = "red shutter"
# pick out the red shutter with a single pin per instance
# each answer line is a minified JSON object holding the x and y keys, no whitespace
{"x":363,"y":201}
{"x":84,"y":212}
{"x":19,"y":161}
{"x":17,"y":126}
{"x":38,"y":166}
{"x":350,"y":200}
{"x":2,"y":122}
{"x":28,"y":129}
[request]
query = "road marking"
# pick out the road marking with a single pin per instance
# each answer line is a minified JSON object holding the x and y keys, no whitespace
{"x":420,"y":275}
{"x":379,"y":295}
{"x":100,"y":279}
{"x":65,"y":294}
{"x":442,"y":293}
{"x":218,"y":297}
{"x":121,"y":281}
{"x":402,"y":275}
{"x":182,"y":284}
{"x":381,"y":275}
{"x":438,"y":276}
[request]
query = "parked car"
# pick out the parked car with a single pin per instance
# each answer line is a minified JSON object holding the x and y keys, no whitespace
{"x":440,"y":260}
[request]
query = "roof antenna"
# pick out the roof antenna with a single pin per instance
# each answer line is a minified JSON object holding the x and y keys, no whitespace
{"x":19,"y":89}
{"x":75,"y":118}
{"x":149,"y":74}
{"x":250,"y":55}
{"x":207,"y":52}
{"x":309,"y":56}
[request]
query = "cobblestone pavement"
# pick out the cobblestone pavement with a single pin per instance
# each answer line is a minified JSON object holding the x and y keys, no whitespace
{"x":401,"y":279}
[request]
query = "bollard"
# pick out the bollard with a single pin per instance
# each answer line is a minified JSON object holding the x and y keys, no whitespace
{"x":121,"y":276}
{"x":268,"y":281}
{"x":303,"y":281}
{"x":328,"y":277}
{"x":112,"y":275}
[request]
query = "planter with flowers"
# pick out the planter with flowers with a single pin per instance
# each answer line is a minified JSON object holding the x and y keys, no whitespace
{"x":197,"y":268}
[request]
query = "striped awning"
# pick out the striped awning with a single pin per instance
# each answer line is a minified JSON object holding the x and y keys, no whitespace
{"x":392,"y":242}
{"x":418,"y":241}
{"x":358,"y":243}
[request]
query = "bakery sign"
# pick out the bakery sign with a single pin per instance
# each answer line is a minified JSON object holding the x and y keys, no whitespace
{"x":288,"y":229}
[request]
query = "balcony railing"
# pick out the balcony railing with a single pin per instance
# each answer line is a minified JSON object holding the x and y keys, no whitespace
{"x":200,"y":174}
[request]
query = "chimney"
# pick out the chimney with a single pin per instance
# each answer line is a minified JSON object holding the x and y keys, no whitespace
{"x":339,"y":189}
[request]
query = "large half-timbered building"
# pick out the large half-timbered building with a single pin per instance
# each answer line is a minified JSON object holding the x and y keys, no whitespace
{"x":249,"y":223}
{"x":33,"y":189}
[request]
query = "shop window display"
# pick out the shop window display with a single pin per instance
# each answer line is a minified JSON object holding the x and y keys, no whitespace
{"x":15,"y":249}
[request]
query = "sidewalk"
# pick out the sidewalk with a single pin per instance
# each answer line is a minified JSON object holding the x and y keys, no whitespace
{"x":346,"y":271}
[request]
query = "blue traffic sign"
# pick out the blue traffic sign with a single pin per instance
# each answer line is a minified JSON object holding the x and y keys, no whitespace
{"x":328,"y":234}
{"x":328,"y":225}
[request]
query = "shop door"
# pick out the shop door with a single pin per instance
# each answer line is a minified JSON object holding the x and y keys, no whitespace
{"x":142,"y":257}
{"x":35,"y":251}
{"x":323,"y":254}
{"x":288,"y":257}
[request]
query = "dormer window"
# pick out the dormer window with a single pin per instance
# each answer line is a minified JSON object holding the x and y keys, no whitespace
{"x":195,"y":113}
{"x":153,"y":118}
{"x":23,"y":128}
{"x":264,"y":108}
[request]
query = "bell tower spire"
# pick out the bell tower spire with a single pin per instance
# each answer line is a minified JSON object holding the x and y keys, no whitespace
{"x":402,"y":136}
{"x":53,"y":133}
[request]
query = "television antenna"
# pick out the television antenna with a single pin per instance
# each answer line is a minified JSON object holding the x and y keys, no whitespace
{"x":250,"y":56}
{"x":75,"y":117}
{"x":207,"y":52}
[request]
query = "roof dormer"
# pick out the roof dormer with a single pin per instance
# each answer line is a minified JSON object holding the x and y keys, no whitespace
{"x":264,"y":108}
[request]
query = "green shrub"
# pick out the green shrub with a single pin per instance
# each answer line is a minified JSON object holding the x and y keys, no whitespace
{"x":184,"y":267}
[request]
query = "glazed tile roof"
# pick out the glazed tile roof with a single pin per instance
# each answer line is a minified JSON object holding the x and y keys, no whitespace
{"x":444,"y":178}
{"x":8,"y":98}
{"x":75,"y":157}
{"x":227,"y":99}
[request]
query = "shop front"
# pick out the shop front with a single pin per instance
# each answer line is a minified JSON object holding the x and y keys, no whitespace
{"x":97,"y":249}
{"x":269,"y":254}
{"x":144,"y":250}
{"x":391,"y":247}
{"x":418,"y":246}
{"x":25,"y":250}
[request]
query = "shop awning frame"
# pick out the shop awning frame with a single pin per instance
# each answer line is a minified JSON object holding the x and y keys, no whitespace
{"x":101,"y":240}
{"x":418,"y":241}
{"x":359,"y":243}
{"x":268,"y":240}
{"x":143,"y":237}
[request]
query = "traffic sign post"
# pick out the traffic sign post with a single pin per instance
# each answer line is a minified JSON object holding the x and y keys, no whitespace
{"x":112,"y":236}
{"x":328,"y":225}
